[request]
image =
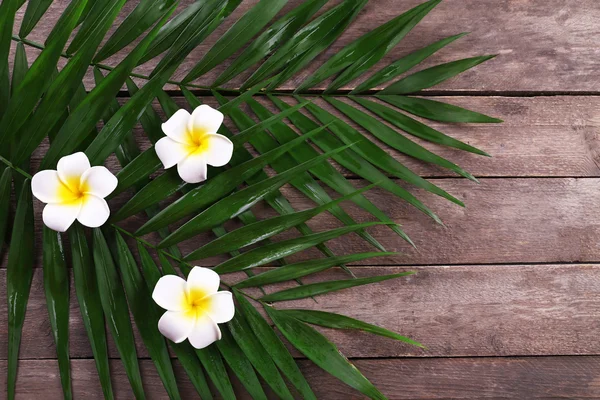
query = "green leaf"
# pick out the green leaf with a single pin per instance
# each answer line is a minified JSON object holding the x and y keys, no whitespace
{"x":88,"y":296}
{"x":263,"y":142}
{"x":8,"y":10}
{"x":26,"y":96}
{"x":361,"y":54}
{"x":374,"y":154}
{"x":213,"y":364}
{"x":337,"y":321}
{"x":385,"y":43}
{"x":432,"y":76}
{"x":395,"y":139}
{"x":239,"y":34}
{"x":301,"y":292}
{"x":404,"y":64}
{"x":150,"y":119}
{"x":21,"y":66}
{"x":19,"y":273}
{"x":143,"y":16}
{"x":171,"y":31}
{"x":235,"y":204}
{"x":298,"y":270}
{"x":436,"y":110}
{"x":160,"y":188}
{"x":99,"y":11}
{"x":146,"y":315}
{"x":239,"y":364}
{"x":261,"y":230}
{"x":84,"y":118}
{"x":137,"y":170}
{"x":5,"y":186}
{"x":322,"y":352}
{"x":254,"y":350}
{"x":56,"y":287}
{"x":415,"y":127}
{"x":274,"y":251}
{"x":114,"y":303}
{"x":275,"y":34}
{"x":34,"y":12}
{"x":184,"y":351}
{"x":273,"y":345}
{"x":62,"y":89}
{"x":325,"y":172}
{"x":307,"y":43}
{"x":355,"y":163}
{"x":201,"y":25}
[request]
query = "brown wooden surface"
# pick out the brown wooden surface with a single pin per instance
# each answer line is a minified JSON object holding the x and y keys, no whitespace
{"x":507,"y":294}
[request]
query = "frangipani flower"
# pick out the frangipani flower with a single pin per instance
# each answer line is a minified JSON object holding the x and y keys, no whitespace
{"x":192,"y":143}
{"x":194,"y":308}
{"x":76,"y":191}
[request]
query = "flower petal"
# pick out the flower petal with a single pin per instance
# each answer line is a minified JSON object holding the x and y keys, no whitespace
{"x":169,"y":293}
{"x":192,"y":169}
{"x":60,"y":216}
{"x":47,"y":186}
{"x":220,"y":150}
{"x":203,"y":280}
{"x":94,"y":211}
{"x":205,"y":332}
{"x":205,"y":119}
{"x":71,"y":167}
{"x":176,"y":126}
{"x":220,"y":307}
{"x":99,"y":181}
{"x":170,"y":152}
{"x":176,"y":325}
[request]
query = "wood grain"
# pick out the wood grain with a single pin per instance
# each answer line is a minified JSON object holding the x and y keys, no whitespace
{"x":455,"y":311}
{"x":446,"y":378}
{"x":543,"y":45}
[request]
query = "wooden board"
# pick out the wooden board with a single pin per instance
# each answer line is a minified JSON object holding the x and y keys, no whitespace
{"x":506,"y":295}
{"x":476,"y":310}
{"x":445,"y":378}
{"x":543,"y":45}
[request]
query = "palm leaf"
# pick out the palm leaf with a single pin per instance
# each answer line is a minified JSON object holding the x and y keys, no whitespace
{"x":50,"y":101}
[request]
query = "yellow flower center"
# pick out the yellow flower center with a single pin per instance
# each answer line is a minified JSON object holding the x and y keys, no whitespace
{"x":196,"y":303}
{"x":198,"y":141}
{"x":72,"y":190}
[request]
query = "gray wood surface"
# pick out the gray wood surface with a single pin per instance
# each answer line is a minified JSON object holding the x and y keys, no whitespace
{"x":506,"y":297}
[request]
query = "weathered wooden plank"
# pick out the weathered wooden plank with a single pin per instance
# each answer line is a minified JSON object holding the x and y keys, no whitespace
{"x":446,"y":378}
{"x":507,"y":220}
{"x":544,"y":45}
{"x":531,"y":142}
{"x":454,"y":311}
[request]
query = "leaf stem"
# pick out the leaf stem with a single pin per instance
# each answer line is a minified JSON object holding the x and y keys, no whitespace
{"x":166,"y":253}
{"x":11,"y":165}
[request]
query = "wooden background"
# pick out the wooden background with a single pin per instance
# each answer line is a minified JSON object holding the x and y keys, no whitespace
{"x":507,"y":294}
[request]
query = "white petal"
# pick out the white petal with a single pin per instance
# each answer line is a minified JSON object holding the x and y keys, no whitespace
{"x":99,"y":181}
{"x":59,"y":217}
{"x":203,"y":280}
{"x":70,"y":168}
{"x":176,"y":126}
{"x":204,"y":333}
{"x":176,"y":325}
{"x":169,"y":293}
{"x":192,"y":169}
{"x":205,"y":119}
{"x":220,"y":307}
{"x":47,"y":186}
{"x":219,"y":150}
{"x":94,"y":211}
{"x":170,"y":152}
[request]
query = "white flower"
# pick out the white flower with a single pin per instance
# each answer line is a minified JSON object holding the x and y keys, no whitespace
{"x":192,"y":143}
{"x":75,"y":191}
{"x":194,"y":308}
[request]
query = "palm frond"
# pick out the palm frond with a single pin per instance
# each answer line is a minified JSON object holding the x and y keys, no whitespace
{"x":315,"y":125}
